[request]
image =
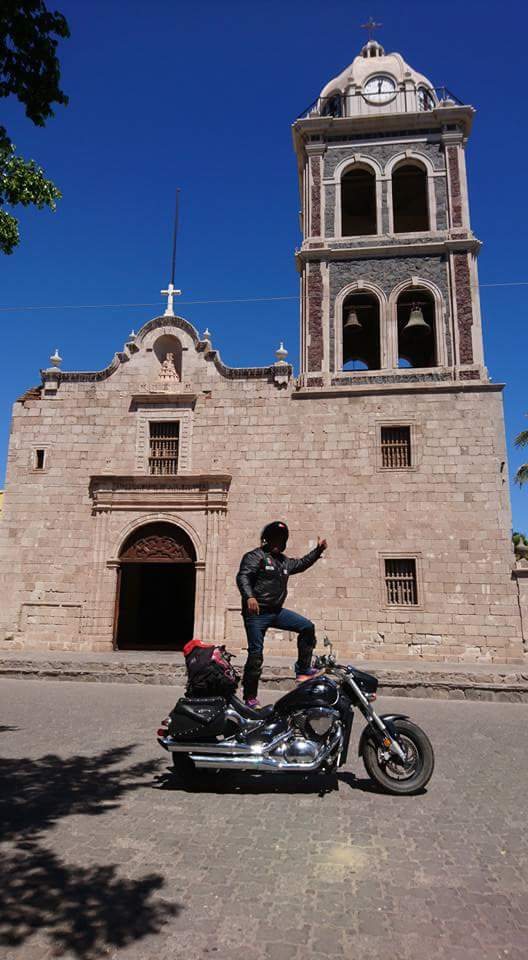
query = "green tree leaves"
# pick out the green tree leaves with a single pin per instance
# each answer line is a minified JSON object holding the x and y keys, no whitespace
{"x":30,"y":71}
{"x":521,"y":476}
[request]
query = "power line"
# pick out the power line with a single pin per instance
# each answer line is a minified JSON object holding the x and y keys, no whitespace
{"x":511,"y":283}
{"x":100,"y":306}
{"x":186,"y":303}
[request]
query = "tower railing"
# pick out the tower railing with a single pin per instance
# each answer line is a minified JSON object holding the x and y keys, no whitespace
{"x":421,"y":100}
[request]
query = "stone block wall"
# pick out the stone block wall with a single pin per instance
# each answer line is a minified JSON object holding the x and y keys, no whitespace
{"x":310,"y":457}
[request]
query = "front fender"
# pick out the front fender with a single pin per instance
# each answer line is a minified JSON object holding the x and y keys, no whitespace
{"x":388,"y":719}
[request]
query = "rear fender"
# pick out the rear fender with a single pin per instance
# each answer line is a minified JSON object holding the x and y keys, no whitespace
{"x":388,"y":720}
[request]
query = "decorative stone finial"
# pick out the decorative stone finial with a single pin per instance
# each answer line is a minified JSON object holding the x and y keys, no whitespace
{"x":132,"y":336}
{"x":281,"y":353}
{"x":56,"y":359}
{"x":207,"y":334}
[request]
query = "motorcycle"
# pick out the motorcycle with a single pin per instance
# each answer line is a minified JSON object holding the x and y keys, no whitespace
{"x":306,"y":731}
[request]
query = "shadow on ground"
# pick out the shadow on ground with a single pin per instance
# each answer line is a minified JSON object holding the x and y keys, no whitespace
{"x":37,"y":793}
{"x":84,"y":910}
{"x":226,"y":782}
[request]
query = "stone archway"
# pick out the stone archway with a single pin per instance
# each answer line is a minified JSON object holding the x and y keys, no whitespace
{"x":156,"y":589}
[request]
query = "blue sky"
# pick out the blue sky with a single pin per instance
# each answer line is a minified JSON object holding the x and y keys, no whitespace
{"x":202,"y":95}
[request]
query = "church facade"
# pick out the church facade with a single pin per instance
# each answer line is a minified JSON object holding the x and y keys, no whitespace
{"x":133,"y":491}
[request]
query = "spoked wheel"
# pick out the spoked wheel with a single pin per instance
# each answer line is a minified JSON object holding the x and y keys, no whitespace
{"x":393,"y":774}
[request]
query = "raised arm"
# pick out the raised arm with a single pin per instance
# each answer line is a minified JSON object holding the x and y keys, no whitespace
{"x":303,"y":563}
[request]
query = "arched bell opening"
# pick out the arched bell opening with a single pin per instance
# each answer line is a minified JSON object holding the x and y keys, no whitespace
{"x":156,"y":589}
{"x":410,"y":204}
{"x":416,"y":329}
{"x":361,"y":332}
{"x":358,"y":203}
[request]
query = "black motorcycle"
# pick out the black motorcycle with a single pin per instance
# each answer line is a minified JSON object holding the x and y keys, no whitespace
{"x":305,"y":731}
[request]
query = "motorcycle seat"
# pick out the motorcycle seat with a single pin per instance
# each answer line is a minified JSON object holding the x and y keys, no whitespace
{"x":250,"y":713}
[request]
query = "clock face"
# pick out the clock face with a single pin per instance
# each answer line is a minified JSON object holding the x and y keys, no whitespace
{"x":379,"y":89}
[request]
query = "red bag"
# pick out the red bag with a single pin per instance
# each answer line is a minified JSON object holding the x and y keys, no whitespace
{"x":209,"y":670}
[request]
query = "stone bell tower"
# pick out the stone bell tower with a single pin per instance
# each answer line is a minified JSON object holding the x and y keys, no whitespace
{"x":406,"y":426}
{"x":388,"y":260}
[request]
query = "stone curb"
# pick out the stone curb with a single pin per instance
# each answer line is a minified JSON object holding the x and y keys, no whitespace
{"x":451,"y":685}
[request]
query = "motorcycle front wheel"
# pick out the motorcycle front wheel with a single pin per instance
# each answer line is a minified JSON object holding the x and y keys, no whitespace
{"x":393,"y":775}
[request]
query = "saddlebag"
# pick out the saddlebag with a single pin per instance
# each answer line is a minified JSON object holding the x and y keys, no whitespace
{"x":197,"y":718}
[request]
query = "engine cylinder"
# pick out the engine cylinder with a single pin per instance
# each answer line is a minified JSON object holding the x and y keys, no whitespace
{"x":300,"y":750}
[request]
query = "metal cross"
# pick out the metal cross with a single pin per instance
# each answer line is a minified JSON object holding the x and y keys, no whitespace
{"x":371,"y":26}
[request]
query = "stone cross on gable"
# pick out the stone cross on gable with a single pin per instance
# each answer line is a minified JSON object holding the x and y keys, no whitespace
{"x":170,"y":293}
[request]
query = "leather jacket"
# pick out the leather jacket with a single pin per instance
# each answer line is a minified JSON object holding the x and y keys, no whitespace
{"x":265,"y":577}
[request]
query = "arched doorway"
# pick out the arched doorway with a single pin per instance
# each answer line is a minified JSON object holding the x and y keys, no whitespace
{"x":156,"y":589}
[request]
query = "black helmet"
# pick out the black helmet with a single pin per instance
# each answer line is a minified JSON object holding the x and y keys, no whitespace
{"x":275,"y":530}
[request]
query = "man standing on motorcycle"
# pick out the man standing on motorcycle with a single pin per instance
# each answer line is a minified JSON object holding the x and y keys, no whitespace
{"x":262,"y":580}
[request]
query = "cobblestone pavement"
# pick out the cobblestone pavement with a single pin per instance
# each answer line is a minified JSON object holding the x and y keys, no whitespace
{"x":102,"y":858}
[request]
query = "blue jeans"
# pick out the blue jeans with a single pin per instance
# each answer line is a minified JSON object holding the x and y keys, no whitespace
{"x":256,"y":626}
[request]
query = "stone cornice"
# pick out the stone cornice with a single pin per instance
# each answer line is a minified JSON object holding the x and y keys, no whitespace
{"x":454,"y":386}
{"x":434,"y":246}
{"x":461,"y":116}
{"x":182,"y":399}
{"x":182,"y":492}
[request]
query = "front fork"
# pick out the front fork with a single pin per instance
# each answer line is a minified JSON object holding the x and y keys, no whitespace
{"x":384,"y":733}
{"x":382,"y":727}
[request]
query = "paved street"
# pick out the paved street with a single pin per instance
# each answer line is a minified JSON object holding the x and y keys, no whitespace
{"x":101,"y":858}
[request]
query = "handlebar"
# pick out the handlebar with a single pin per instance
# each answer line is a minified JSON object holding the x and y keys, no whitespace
{"x":328,"y":661}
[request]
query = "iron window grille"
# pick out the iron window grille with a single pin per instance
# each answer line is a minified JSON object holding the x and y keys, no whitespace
{"x":396,"y":447}
{"x":401,"y":583}
{"x":164,"y":448}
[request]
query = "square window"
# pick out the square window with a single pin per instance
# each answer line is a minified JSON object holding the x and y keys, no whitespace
{"x":401,"y":582}
{"x":396,"y":447}
{"x":164,"y":440}
{"x":40,"y":459}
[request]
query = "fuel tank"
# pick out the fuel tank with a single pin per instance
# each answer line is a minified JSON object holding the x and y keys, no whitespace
{"x":317,"y":692}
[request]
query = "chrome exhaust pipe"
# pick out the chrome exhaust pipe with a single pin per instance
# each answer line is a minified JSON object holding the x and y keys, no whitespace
{"x":262,"y":763}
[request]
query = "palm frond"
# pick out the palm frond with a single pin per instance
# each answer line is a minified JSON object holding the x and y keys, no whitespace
{"x":522,"y":439}
{"x":522,"y":475}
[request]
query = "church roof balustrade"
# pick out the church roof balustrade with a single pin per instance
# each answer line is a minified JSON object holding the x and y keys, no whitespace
{"x":347,"y":104}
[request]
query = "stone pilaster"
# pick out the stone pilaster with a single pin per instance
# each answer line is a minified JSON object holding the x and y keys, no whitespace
{"x":464,"y":307}
{"x":455,"y":186}
{"x":315,"y":316}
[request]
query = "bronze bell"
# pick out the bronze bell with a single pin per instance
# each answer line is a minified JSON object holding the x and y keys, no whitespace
{"x":416,"y":322}
{"x":352,"y":323}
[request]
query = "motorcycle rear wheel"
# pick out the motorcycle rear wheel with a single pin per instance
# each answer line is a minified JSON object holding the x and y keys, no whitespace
{"x":392,"y":775}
